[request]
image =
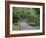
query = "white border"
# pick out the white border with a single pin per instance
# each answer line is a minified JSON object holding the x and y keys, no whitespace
{"x":28,"y":6}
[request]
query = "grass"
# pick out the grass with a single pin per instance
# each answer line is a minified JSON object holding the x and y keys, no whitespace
{"x":16,"y":27}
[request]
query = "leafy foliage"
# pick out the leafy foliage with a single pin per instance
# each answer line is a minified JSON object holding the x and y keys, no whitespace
{"x":30,"y":15}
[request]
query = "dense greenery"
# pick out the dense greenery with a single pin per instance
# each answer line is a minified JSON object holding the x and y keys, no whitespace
{"x":29,"y":15}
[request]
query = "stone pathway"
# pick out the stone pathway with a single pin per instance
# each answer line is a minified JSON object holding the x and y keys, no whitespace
{"x":25,"y":26}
